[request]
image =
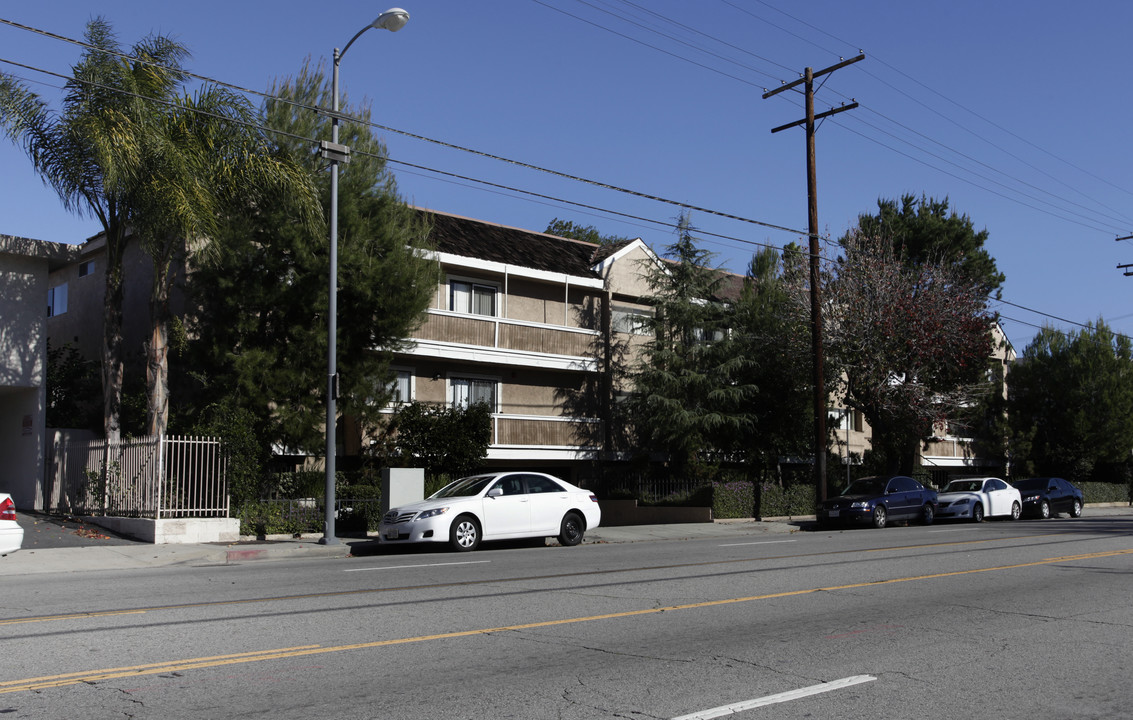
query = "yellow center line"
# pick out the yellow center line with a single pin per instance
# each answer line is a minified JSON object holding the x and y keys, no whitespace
{"x":51,"y":681}
{"x":74,"y":616}
{"x":493,"y":581}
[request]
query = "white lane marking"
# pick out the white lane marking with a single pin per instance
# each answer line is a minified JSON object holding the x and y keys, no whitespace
{"x":761,"y":542}
{"x":952,"y":530}
{"x":781,"y":697}
{"x":402,"y":567}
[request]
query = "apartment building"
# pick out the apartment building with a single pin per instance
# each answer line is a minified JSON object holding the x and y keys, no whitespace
{"x":521,"y":320}
{"x":27,"y":295}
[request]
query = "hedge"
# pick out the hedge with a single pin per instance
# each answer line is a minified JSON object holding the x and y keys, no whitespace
{"x":736,"y":499}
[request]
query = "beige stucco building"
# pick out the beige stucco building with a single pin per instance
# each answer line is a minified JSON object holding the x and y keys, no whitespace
{"x":27,"y":296}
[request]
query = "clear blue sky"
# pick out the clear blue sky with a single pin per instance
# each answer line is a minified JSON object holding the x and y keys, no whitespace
{"x":1019,"y":118}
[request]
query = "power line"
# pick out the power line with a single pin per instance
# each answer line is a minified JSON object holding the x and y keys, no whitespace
{"x":495,"y":186}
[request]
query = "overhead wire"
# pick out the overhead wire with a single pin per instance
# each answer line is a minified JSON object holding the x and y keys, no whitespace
{"x":496,"y":186}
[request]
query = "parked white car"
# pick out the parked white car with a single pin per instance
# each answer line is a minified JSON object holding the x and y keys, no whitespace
{"x":11,"y":534}
{"x":977,"y":498}
{"x":495,"y":506}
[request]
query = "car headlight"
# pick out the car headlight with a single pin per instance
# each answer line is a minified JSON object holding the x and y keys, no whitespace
{"x":1030,"y":498}
{"x":962,"y":501}
{"x":860,"y":504}
{"x":432,"y":513}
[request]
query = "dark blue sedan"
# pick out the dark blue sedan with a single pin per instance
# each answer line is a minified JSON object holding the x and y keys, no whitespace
{"x":878,"y":501}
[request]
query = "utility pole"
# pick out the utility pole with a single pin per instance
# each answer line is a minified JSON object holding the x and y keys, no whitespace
{"x":1127,"y":265}
{"x":818,"y":381}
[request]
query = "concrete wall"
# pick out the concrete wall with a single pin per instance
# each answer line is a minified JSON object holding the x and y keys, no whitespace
{"x":172,"y":531}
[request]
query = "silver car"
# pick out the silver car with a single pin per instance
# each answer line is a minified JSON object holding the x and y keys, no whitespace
{"x":976,"y":498}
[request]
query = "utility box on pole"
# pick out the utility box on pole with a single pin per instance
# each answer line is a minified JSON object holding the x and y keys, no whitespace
{"x":401,"y":486}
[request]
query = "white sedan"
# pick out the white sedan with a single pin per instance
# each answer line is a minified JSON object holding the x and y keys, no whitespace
{"x":11,"y":534}
{"x":977,"y":498}
{"x":495,"y":506}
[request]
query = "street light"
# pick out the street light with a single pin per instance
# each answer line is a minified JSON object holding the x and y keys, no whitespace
{"x":393,"y":20}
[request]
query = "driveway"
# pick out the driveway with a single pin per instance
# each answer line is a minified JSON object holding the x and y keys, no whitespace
{"x":62,"y":531}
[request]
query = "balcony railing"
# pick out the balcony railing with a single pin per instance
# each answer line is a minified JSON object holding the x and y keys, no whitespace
{"x":543,"y":431}
{"x":506,"y":334}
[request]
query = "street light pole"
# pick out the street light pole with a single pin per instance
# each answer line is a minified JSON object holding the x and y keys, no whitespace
{"x":393,"y":20}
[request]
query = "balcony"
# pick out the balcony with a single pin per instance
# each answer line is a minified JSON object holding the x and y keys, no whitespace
{"x":504,"y":334}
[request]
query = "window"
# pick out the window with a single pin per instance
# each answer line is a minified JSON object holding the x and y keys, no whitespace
{"x":903,"y":484}
{"x":466,"y":391}
{"x":540,"y":484}
{"x":634,"y":321}
{"x":86,"y":268}
{"x":469,"y":297}
{"x":57,"y":300}
{"x":511,"y":485}
{"x":845,"y":419}
{"x":401,"y":387}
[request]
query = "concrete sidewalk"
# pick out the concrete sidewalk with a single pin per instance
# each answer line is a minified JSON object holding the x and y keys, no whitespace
{"x":115,"y":553}
{"x":93,"y":551}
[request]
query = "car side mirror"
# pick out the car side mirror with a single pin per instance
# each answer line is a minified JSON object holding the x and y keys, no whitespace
{"x":495,"y":492}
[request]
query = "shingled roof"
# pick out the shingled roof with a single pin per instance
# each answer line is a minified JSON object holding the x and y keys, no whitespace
{"x":485,"y":241}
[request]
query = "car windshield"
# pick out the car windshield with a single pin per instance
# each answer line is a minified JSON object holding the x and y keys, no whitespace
{"x":1032,"y":484}
{"x":465,"y":487}
{"x":867,"y":486}
{"x":964,"y":486}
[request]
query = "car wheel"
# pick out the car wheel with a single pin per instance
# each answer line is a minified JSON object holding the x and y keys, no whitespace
{"x":879,"y":516}
{"x":571,"y":530}
{"x":1076,"y":508}
{"x":928,"y":514}
{"x":1044,"y":510}
{"x":1016,"y":511}
{"x":464,"y":535}
{"x":977,"y":513}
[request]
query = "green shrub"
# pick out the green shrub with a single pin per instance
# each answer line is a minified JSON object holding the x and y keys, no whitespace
{"x":1103,"y":492}
{"x":274,"y":518}
{"x":732,"y":499}
{"x":792,"y":500}
{"x":361,"y":508}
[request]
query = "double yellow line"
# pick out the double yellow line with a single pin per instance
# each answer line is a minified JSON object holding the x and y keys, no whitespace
{"x":53,"y":681}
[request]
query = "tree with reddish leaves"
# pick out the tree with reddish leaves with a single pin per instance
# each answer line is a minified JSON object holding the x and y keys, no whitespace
{"x":911,"y":342}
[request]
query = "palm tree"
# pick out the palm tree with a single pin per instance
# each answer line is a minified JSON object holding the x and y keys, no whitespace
{"x":209,"y":159}
{"x":131,"y":149}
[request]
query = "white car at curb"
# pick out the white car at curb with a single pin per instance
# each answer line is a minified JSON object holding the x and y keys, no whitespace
{"x":976,"y":498}
{"x":495,"y":506}
{"x":11,"y":534}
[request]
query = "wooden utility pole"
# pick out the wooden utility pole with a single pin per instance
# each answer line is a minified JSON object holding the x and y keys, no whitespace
{"x":818,"y":381}
{"x":1127,"y":265}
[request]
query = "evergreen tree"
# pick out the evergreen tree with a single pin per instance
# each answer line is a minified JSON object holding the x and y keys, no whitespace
{"x":586,"y":233}
{"x":771,"y":331}
{"x":261,"y":303}
{"x":687,"y":401}
{"x":1070,"y":402}
{"x":924,"y":231}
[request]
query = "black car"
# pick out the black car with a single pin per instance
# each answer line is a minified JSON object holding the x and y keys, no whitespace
{"x":879,"y":500}
{"x":1045,"y":497}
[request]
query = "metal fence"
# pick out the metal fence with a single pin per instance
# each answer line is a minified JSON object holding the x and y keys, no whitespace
{"x":151,"y":477}
{"x":648,"y":488}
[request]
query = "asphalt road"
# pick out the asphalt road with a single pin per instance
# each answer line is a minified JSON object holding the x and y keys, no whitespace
{"x":1027,"y":620}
